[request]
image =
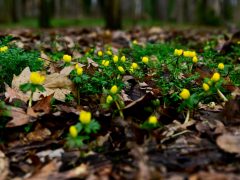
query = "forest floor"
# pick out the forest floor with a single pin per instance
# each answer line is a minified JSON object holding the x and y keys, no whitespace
{"x":139,"y":130}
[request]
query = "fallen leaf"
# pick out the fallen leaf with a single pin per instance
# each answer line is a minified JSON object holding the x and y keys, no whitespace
{"x":45,"y":173}
{"x":4,"y":166}
{"x":43,"y":105}
{"x":19,"y":117}
{"x":39,"y":135}
{"x":229,"y":143}
{"x":11,"y":94}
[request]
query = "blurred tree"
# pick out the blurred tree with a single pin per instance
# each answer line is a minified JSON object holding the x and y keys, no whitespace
{"x":87,"y":6}
{"x":45,"y":13}
{"x":112,"y":13}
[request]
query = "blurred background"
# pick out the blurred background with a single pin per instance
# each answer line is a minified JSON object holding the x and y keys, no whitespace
{"x":116,"y":14}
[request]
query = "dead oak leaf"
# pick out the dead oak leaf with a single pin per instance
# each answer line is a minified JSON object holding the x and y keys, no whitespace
{"x":19,"y":117}
{"x":229,"y":143}
{"x":11,"y":94}
{"x":44,"y":104}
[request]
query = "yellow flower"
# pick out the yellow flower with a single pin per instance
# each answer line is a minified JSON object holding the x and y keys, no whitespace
{"x":105,"y":63}
{"x":67,"y":58}
{"x":114,"y":89}
{"x":109,"y":99}
{"x":145,"y":59}
{"x":205,"y":86}
{"x":178,"y":52}
{"x":134,"y":66}
{"x":123,"y":58}
{"x":221,"y":66}
{"x":195,"y":59}
{"x":85,"y":117}
{"x":209,"y":82}
{"x":79,"y":71}
{"x":115,"y":58}
{"x":3,"y":49}
{"x":76,"y":66}
{"x":189,"y":54}
{"x":135,"y":42}
{"x":100,"y":53}
{"x":152,"y":120}
{"x":109,"y":52}
{"x":215,"y":77}
{"x":73,"y":131}
{"x":121,"y":69}
{"x":36,"y":78}
{"x":185,"y":94}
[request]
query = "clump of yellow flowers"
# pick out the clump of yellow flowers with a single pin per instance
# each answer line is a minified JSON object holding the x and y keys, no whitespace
{"x":81,"y":131}
{"x":105,"y":63}
{"x":115,"y":58}
{"x":67,"y":58}
{"x":190,"y":54}
{"x":178,"y":52}
{"x":121,"y":69}
{"x":3,"y":49}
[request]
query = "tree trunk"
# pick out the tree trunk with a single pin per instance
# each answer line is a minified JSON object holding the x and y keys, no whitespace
{"x":113,"y":16}
{"x":45,"y":14}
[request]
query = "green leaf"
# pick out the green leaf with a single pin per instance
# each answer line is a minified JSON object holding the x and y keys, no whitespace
{"x":25,"y":87}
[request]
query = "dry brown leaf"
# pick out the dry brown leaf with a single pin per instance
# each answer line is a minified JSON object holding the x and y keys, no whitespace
{"x":4,"y":166}
{"x":11,"y":94}
{"x":229,"y":143}
{"x":57,"y":84}
{"x":38,"y":135}
{"x":43,"y":105}
{"x":45,"y":173}
{"x":67,"y":70}
{"x":19,"y":117}
{"x":91,"y":62}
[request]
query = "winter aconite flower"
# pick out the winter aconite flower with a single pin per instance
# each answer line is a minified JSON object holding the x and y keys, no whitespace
{"x":215,"y":77}
{"x":36,"y":78}
{"x":185,"y":94}
{"x":205,"y":87}
{"x":135,"y":42}
{"x":79,"y":71}
{"x":3,"y":49}
{"x":67,"y":58}
{"x":145,"y":59}
{"x":134,"y":66}
{"x":105,"y":63}
{"x":178,"y":52}
{"x":123,"y":58}
{"x":152,"y":120}
{"x":221,"y":66}
{"x":121,"y":69}
{"x":109,"y":99}
{"x":73,"y":131}
{"x":114,"y":89}
{"x":109,"y":52}
{"x":195,"y":59}
{"x":115,"y":58}
{"x":100,"y":53}
{"x":85,"y":117}
{"x":190,"y":54}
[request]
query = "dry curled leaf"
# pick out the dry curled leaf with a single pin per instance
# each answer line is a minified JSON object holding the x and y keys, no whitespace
{"x":229,"y":143}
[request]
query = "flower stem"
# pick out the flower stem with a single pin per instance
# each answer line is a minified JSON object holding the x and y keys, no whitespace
{"x":120,"y":111}
{"x":78,"y":95}
{"x":221,"y":95}
{"x":187,"y":117}
{"x":30,"y":100}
